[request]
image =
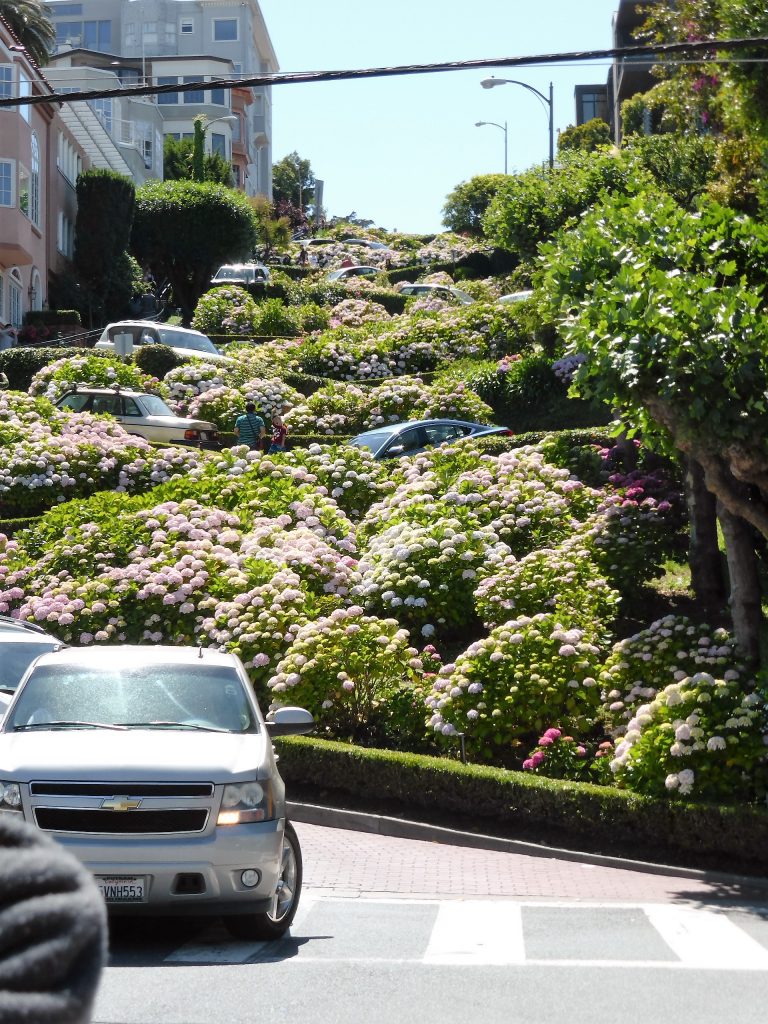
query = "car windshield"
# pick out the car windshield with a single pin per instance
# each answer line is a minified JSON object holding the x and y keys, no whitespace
{"x":233,"y":274}
{"x":155,"y":406}
{"x":374,"y":440}
{"x":15,"y":659}
{"x":162,"y":696}
{"x":179,"y":339}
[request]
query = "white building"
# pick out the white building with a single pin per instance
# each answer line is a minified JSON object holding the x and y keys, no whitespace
{"x":187,"y":40}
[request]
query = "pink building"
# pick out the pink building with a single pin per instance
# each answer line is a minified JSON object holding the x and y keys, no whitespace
{"x":39,"y":163}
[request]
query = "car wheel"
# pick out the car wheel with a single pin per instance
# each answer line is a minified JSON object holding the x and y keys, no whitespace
{"x":274,"y":923}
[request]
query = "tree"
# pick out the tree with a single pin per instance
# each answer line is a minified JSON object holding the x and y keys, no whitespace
{"x":293,"y":181}
{"x":31,"y":25}
{"x":184,"y":230}
{"x":272,"y":230}
{"x":586,"y":137}
{"x":529,"y":208}
{"x":105,"y":207}
{"x":667,"y":306}
{"x":177,"y":163}
{"x":465,"y":206}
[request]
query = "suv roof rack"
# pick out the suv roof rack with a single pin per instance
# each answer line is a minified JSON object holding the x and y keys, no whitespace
{"x":8,"y":622}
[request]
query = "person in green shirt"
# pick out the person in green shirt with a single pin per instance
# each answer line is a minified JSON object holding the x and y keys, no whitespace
{"x":249,"y":428}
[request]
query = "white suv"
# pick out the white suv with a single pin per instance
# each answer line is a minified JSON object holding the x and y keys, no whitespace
{"x":154,"y":766}
{"x":182,"y":340}
{"x":143,"y":414}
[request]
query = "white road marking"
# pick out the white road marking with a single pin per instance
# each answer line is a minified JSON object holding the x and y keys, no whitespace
{"x":476,"y":932}
{"x":707,"y":939}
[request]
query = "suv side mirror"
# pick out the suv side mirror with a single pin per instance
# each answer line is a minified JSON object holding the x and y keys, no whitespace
{"x":289,"y":722}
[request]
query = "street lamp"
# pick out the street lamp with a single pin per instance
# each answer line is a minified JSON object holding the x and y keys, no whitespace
{"x":481,"y":124}
{"x":490,"y":83}
{"x":201,"y":125}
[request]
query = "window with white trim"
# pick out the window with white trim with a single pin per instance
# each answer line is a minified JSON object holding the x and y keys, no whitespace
{"x":7,"y":175}
{"x":225,"y":30}
{"x":14,"y":298}
{"x":65,"y":235}
{"x":186,"y":26}
{"x":34,"y":183}
{"x":6,"y":81}
{"x":24,"y":189}
{"x":25,"y":89}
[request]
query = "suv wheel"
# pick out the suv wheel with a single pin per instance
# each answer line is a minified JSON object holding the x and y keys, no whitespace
{"x":274,"y":923}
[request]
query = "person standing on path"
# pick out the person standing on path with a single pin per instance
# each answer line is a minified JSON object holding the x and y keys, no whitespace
{"x":249,"y":428}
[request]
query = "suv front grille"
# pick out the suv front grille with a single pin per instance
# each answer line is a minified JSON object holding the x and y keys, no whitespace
{"x":69,"y":819}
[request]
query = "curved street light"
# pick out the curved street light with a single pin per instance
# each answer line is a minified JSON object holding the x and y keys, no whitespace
{"x":481,"y":124}
{"x":491,"y":83}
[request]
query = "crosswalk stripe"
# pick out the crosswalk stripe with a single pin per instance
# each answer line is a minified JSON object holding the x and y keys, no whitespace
{"x":476,"y":932}
{"x":707,"y":938}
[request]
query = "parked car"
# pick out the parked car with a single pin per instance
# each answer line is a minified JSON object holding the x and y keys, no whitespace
{"x":515,"y":297}
{"x":20,"y":643}
{"x":413,"y":436}
{"x":181,"y":340}
{"x":241,"y":273}
{"x":154,"y":766}
{"x":143,"y":414}
{"x":369,"y":243}
{"x":440,"y":291}
{"x":344,"y":272}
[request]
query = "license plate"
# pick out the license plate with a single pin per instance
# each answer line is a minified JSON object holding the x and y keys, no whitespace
{"x":122,"y":888}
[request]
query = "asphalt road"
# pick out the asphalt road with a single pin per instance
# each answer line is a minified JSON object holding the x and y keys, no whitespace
{"x":405,"y":930}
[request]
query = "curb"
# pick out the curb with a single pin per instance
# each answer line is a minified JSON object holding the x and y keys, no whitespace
{"x":399,"y":828}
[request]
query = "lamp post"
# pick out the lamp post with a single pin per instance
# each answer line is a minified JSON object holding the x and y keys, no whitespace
{"x":481,"y":124}
{"x":201,"y":125}
{"x":490,"y":83}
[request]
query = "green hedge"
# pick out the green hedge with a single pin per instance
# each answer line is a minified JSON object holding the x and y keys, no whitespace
{"x":46,"y":317}
{"x":21,"y":364}
{"x":480,"y":798}
{"x":11,"y":526}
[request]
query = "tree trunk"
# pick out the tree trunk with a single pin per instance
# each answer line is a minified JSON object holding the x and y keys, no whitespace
{"x":703,"y":551}
{"x":744,"y":600}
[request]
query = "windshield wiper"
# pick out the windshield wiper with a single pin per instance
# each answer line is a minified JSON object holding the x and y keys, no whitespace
{"x":7,"y":689}
{"x":68,"y":725}
{"x":173,"y":725}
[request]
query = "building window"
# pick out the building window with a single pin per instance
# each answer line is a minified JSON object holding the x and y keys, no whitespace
{"x":186,"y":26}
{"x":97,"y":35}
{"x":593,"y":104}
{"x":24,"y":188}
{"x":194,"y":95}
{"x":131,"y":36}
{"x":6,"y":81}
{"x":217,"y":96}
{"x":225,"y":30}
{"x":236,"y":130}
{"x":2,"y":298}
{"x":167,"y":97}
{"x":236,"y":175}
{"x":34,"y":187}
{"x":149,"y":32}
{"x":65,"y":10}
{"x":7,"y":169}
{"x":65,"y":235}
{"x":14,"y":298}
{"x":103,"y":110}
{"x":25,"y":89}
{"x":219,"y":144}
{"x":69,"y":33}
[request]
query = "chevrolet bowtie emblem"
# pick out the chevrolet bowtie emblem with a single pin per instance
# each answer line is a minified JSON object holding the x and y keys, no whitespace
{"x":120,"y":803}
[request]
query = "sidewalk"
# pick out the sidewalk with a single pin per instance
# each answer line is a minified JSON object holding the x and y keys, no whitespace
{"x":345,"y":862}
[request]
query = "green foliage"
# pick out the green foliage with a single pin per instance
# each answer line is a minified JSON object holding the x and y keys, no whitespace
{"x":586,"y":138}
{"x":682,"y":165}
{"x":30,"y":24}
{"x":184,"y":230}
{"x":273,"y":319}
{"x":273,"y":232}
{"x":105,"y":210}
{"x":465,"y":206}
{"x":293,"y":181}
{"x":530,"y":207}
{"x":177,"y":163}
{"x":226,"y":310}
{"x":21,"y":364}
{"x":156,"y":360}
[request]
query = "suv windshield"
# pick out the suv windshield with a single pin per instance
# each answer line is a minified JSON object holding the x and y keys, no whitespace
{"x":179,"y":339}
{"x":16,"y":658}
{"x":184,"y":696}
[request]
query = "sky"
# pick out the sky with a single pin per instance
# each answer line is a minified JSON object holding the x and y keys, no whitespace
{"x":392,"y":149}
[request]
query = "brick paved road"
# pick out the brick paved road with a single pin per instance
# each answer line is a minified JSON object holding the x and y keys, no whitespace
{"x":353,"y":864}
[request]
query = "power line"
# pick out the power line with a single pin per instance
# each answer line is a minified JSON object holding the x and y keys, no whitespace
{"x":708,"y":47}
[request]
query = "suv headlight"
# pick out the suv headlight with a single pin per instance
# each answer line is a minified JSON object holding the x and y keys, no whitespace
{"x":10,"y":796}
{"x":245,"y":802}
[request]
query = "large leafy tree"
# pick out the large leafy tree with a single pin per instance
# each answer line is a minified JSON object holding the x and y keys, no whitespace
{"x":184,"y":230}
{"x":31,"y":25}
{"x":667,"y":306}
{"x":465,"y":206}
{"x":293,"y":181}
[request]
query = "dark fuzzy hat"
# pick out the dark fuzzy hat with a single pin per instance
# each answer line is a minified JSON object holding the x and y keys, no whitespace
{"x":53,"y":930}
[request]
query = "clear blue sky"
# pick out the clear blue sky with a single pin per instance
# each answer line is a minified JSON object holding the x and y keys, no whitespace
{"x":392,"y":149}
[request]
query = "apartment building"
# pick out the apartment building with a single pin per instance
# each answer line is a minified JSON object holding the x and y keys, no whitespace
{"x":185,"y":41}
{"x":40,"y":158}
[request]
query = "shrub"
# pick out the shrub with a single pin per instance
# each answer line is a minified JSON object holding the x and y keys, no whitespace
{"x":227,"y":310}
{"x":61,"y":376}
{"x":273,"y":319}
{"x":564,"y":757}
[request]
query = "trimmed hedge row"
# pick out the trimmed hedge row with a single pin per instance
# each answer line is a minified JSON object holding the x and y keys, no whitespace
{"x":45,"y":317}
{"x":577,"y":815}
{"x":21,"y":364}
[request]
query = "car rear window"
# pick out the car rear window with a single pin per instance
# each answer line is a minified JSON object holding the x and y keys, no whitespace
{"x":176,"y":339}
{"x":206,"y":696}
